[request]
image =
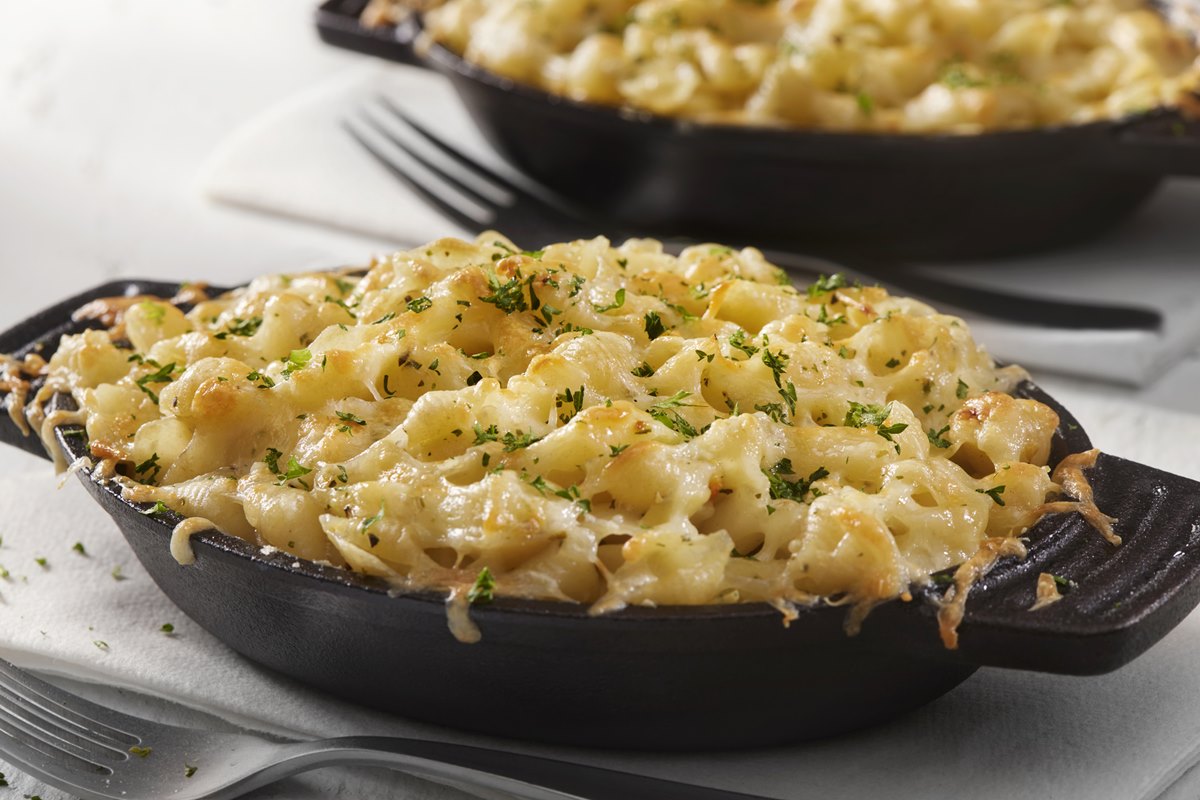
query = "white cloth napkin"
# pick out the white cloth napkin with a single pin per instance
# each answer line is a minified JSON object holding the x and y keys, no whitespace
{"x":1129,"y":735}
{"x":296,"y":160}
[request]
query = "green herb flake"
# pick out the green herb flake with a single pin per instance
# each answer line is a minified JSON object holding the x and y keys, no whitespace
{"x":241,"y":327}
{"x":483,"y":590}
{"x":663,"y":411}
{"x":654,"y":325}
{"x":370,"y":521}
{"x":962,"y":390}
{"x":738,"y":342}
{"x":994,"y":493}
{"x":864,"y":416}
{"x":935,"y":437}
{"x":643,"y":371}
{"x":141,"y":752}
{"x":296,"y":360}
{"x":148,"y":470}
{"x":618,"y":302}
{"x":824,"y":285}
{"x":419,"y":304}
{"x":509,"y":296}
{"x":346,"y":416}
{"x":155,"y":312}
{"x":783,"y":489}
{"x":79,"y":548}
{"x":189,"y":770}
{"x":161,"y":375}
{"x":167,"y":628}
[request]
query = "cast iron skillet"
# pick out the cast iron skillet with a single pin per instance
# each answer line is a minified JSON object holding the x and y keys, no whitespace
{"x":843,"y":195}
{"x":670,"y":678}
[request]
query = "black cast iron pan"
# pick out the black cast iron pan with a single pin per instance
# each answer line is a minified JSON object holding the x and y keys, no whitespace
{"x":670,"y":678}
{"x":844,"y":195}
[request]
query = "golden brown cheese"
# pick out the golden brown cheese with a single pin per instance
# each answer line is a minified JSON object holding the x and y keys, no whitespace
{"x":606,"y":425}
{"x":959,"y":66}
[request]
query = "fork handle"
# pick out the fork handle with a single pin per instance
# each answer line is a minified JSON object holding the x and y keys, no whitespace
{"x":524,"y":776}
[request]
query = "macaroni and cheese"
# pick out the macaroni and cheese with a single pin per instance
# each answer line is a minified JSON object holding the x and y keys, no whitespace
{"x":587,"y":423}
{"x":958,"y":66}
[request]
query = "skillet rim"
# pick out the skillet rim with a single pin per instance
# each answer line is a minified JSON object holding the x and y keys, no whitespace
{"x":663,"y":125}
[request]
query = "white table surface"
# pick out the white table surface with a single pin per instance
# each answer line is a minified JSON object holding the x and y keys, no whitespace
{"x":109,"y":107}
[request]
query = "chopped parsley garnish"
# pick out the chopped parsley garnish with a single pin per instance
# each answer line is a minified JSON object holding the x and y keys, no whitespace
{"x":241,"y":327}
{"x":296,"y":360}
{"x":370,"y":521}
{"x":391,"y":315}
{"x":572,"y":493}
{"x":935,"y":437}
{"x":474,"y":378}
{"x":825,"y":319}
{"x":654,"y":325}
{"x":79,"y":548}
{"x":419,"y":304}
{"x":159,"y":507}
{"x":346,"y":416}
{"x":263,"y":381}
{"x":148,"y":470}
{"x":618,"y":301}
{"x":865,"y":416}
{"x":783,"y":489}
{"x":571,"y":401}
{"x":155,"y":312}
{"x":42,"y":562}
{"x":141,"y":752}
{"x":892,"y":363}
{"x":788,"y":393}
{"x":962,"y":390}
{"x":482,"y":591}
{"x":664,"y":412}
{"x":189,"y":770}
{"x":295,"y":470}
{"x":167,"y":628}
{"x":349,"y":309}
{"x":776,"y":362}
{"x":643,"y":371}
{"x":772,"y":410}
{"x":615,"y":450}
{"x":509,"y":296}
{"x":345,"y":287}
{"x":100,"y":644}
{"x":738,"y":342}
{"x":161,"y":375}
{"x":994,"y":493}
{"x":824,"y":285}
{"x":865,"y":104}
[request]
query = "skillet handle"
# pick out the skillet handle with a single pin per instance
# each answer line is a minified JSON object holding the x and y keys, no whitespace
{"x":40,"y":334}
{"x":1167,"y":143}
{"x":1122,"y":599}
{"x":338,"y":24}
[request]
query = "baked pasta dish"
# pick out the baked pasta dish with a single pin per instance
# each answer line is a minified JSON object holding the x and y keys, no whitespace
{"x":957,"y":66}
{"x":592,"y":424}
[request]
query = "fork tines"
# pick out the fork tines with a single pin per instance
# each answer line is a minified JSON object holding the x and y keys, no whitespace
{"x":40,"y":732}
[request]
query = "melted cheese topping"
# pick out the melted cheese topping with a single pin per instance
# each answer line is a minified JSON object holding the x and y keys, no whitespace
{"x":959,"y":66}
{"x":604,"y":425}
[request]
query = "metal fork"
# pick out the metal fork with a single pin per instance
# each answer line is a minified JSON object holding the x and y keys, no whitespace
{"x":96,"y":753}
{"x":478,"y":198}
